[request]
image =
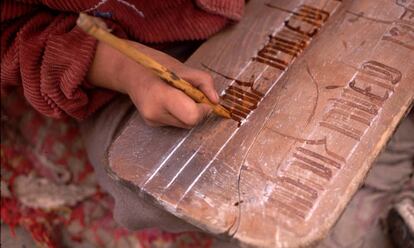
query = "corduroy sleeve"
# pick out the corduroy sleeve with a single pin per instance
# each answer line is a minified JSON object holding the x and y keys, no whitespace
{"x":45,"y":53}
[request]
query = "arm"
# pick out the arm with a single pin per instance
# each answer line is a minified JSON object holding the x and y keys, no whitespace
{"x":64,"y":72}
{"x":45,"y":54}
{"x":159,"y":103}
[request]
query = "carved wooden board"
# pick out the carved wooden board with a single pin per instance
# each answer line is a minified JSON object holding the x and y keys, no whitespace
{"x":319,"y":87}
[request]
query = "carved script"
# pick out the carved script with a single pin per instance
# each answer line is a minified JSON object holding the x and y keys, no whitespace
{"x":242,"y":97}
{"x":349,"y":115}
{"x":402,"y":31}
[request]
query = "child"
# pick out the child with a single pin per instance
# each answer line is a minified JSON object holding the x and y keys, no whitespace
{"x":64,"y":72}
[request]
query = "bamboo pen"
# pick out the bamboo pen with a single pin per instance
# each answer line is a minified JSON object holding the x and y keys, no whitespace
{"x":90,"y":26}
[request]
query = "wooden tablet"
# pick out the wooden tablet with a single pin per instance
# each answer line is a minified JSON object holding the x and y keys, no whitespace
{"x":318,"y":87}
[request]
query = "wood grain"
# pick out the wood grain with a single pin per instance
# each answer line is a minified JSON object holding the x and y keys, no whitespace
{"x":316,"y":107}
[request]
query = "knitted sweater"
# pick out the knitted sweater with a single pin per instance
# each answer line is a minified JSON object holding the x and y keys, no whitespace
{"x":44,"y":53}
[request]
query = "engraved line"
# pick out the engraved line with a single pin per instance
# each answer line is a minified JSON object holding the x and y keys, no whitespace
{"x":349,"y":103}
{"x":304,"y":190}
{"x":321,"y":171}
{"x":219,"y":151}
{"x":320,"y":157}
{"x":280,"y":8}
{"x":318,"y":185}
{"x":322,"y":141}
{"x":386,"y":71}
{"x":292,"y":43}
{"x":403,"y":44}
{"x":355,"y":96}
{"x":345,"y":115}
{"x":241,"y":96}
{"x":272,"y":62}
{"x":182,"y":168}
{"x":235,"y":110}
{"x":333,"y":87}
{"x":207,"y":166}
{"x":247,"y":107}
{"x":263,"y":95}
{"x":406,"y":8}
{"x":346,"y":109}
{"x":189,"y":133}
{"x":317,"y":94}
{"x":167,"y":158}
{"x":314,"y":164}
{"x":225,"y":76}
{"x":373,"y":81}
{"x":361,"y":71}
{"x":310,"y":13}
{"x":254,"y":97}
{"x":239,"y":179}
{"x":302,"y":204}
{"x":361,"y":15}
{"x":311,"y":142}
{"x":288,"y":210}
{"x":237,"y":118}
{"x":341,"y":130}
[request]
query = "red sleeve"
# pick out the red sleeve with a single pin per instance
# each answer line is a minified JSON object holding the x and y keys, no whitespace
{"x":45,"y":53}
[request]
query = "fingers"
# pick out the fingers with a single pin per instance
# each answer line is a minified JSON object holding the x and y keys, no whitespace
{"x":163,"y":105}
{"x":198,"y":78}
{"x":203,"y":81}
{"x":184,"y":109}
{"x":167,"y":106}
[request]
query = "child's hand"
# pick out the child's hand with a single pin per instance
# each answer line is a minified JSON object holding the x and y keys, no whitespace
{"x":158,"y":103}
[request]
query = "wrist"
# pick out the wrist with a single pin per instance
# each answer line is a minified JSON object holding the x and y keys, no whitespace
{"x":106,"y":68}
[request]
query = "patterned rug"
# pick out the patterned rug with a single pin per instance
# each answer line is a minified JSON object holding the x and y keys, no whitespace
{"x":48,"y":187}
